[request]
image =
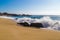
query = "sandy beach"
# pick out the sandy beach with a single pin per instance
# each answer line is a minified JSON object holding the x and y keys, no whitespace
{"x":9,"y":30}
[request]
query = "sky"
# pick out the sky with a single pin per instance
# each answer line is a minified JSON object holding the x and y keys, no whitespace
{"x":33,"y":7}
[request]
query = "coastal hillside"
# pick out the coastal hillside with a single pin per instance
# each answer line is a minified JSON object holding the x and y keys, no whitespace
{"x":9,"y":30}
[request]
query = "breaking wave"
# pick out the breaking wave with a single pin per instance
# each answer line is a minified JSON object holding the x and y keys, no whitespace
{"x":47,"y":22}
{"x":50,"y":24}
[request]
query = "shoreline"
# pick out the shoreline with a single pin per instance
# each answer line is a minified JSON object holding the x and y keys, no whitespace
{"x":14,"y":19}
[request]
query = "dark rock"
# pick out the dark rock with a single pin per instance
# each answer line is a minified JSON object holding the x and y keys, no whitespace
{"x":37,"y":25}
{"x":24,"y":24}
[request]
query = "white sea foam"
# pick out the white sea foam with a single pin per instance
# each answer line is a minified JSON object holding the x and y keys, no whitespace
{"x":50,"y":24}
{"x":6,"y":17}
{"x":47,"y":22}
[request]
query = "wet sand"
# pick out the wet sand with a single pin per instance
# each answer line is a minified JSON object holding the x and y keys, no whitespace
{"x":9,"y":30}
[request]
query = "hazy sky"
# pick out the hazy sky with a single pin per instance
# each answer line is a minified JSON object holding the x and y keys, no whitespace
{"x":37,"y":7}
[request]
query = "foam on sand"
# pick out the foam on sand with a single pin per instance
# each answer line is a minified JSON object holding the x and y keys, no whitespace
{"x":7,"y":17}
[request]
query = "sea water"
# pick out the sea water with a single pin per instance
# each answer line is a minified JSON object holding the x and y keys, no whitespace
{"x":31,"y":16}
{"x":53,"y":17}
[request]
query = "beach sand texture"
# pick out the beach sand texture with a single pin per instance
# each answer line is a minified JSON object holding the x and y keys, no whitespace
{"x":9,"y":30}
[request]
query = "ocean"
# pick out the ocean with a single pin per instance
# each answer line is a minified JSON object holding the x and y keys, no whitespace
{"x":53,"y":17}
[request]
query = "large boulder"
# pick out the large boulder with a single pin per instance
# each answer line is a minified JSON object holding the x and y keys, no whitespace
{"x":37,"y":25}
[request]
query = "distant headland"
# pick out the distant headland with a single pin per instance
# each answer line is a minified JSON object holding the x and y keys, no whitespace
{"x":12,"y":14}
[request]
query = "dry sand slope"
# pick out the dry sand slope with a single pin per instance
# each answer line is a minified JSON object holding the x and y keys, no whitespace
{"x":9,"y":30}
